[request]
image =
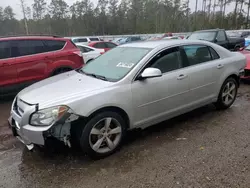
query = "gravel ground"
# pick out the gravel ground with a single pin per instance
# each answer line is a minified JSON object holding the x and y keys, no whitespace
{"x":204,"y":148}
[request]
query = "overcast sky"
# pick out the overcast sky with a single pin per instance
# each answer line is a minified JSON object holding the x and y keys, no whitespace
{"x":15,"y":4}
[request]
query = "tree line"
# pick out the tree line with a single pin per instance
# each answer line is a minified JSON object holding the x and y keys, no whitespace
{"x":111,"y":17}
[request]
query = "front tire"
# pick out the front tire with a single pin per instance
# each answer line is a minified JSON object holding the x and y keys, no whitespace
{"x":227,"y":94}
{"x":103,"y":134}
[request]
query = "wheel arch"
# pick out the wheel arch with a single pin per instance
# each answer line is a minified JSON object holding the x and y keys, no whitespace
{"x":59,"y":67}
{"x":116,"y":109}
{"x":236,"y":77}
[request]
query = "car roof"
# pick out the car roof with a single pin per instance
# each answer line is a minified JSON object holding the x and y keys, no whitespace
{"x":208,"y":30}
{"x":32,"y":37}
{"x":163,"y":43}
{"x":84,"y":37}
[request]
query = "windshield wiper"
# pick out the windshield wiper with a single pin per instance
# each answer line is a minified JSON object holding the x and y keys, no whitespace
{"x":96,"y":76}
{"x":93,"y":75}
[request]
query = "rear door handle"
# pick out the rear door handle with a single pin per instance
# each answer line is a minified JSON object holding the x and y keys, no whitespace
{"x":181,"y":77}
{"x":220,"y":66}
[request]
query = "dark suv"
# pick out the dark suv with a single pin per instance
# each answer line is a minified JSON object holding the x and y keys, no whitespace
{"x":28,"y":59}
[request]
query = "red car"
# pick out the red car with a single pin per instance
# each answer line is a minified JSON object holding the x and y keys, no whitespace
{"x":246,"y":52}
{"x":28,"y":59}
{"x":103,"y":45}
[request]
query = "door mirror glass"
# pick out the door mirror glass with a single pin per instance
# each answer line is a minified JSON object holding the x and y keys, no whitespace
{"x":151,"y":73}
{"x":215,"y":40}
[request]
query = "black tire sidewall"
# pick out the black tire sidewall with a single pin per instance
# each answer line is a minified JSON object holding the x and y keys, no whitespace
{"x":220,"y":104}
{"x":84,"y":140}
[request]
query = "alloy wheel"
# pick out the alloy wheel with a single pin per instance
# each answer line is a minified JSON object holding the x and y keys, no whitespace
{"x":105,"y":135}
{"x":229,"y":92}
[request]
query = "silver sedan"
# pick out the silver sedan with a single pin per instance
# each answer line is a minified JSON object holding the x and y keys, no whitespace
{"x":135,"y":85}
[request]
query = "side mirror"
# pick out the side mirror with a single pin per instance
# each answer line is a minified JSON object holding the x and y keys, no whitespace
{"x":215,"y":40}
{"x":150,"y":73}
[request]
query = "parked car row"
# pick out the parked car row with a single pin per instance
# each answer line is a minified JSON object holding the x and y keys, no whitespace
{"x":132,"y":86}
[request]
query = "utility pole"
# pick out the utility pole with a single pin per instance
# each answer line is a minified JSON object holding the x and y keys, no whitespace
{"x":24,"y":16}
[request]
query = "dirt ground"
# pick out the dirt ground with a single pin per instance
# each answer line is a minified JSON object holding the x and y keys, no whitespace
{"x":204,"y":148}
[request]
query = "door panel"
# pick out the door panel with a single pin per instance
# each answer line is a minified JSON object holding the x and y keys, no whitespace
{"x":158,"y":97}
{"x":32,"y":60}
{"x":8,"y":71}
{"x":204,"y":72}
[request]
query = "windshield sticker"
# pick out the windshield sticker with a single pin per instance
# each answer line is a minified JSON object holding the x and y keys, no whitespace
{"x":125,"y":65}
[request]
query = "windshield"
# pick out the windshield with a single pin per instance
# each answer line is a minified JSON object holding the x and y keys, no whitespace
{"x":208,"y":36}
{"x":116,"y":63}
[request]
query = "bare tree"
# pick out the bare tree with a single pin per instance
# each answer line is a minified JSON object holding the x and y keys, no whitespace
{"x":196,"y":5}
{"x":248,"y":10}
{"x":24,"y":16}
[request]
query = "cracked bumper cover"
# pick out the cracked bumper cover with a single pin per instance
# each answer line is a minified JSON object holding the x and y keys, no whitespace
{"x":34,"y":135}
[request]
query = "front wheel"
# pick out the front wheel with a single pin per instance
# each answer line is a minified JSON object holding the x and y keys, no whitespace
{"x":103,"y":134}
{"x":227,"y":94}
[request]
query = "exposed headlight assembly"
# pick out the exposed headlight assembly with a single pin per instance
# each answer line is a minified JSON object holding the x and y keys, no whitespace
{"x":48,"y":116}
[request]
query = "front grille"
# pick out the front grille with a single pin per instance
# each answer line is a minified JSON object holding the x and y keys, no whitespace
{"x":247,"y":72}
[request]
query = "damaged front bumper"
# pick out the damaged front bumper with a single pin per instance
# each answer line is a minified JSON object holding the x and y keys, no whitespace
{"x":34,"y":135}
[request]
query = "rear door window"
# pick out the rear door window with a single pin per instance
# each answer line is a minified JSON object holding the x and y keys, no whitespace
{"x":54,"y":45}
{"x":5,"y":51}
{"x":135,"y":38}
{"x":82,"y":40}
{"x":197,"y":54}
{"x":110,"y":45}
{"x":27,"y":47}
{"x":100,"y":45}
{"x":94,"y":39}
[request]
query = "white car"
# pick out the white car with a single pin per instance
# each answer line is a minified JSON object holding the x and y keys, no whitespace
{"x":84,"y":40}
{"x":89,"y":53}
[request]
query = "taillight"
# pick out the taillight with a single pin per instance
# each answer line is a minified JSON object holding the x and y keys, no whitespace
{"x":102,"y":53}
{"x":79,"y":53}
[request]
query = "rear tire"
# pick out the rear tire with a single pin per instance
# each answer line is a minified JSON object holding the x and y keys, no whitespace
{"x":103,"y":134}
{"x":227,"y":95}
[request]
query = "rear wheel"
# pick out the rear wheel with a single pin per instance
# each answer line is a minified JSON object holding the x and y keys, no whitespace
{"x":227,"y":94}
{"x":61,"y":70}
{"x":103,"y":134}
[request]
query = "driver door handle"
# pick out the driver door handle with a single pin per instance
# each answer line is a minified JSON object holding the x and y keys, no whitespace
{"x":220,"y":66}
{"x":181,"y":77}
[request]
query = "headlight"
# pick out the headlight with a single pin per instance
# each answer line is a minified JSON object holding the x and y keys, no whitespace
{"x":48,"y":116}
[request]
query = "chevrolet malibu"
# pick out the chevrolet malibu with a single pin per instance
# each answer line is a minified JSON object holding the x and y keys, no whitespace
{"x":132,"y":86}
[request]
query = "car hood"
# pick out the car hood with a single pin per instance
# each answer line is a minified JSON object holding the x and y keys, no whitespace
{"x":247,"y":55}
{"x":61,"y":88}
